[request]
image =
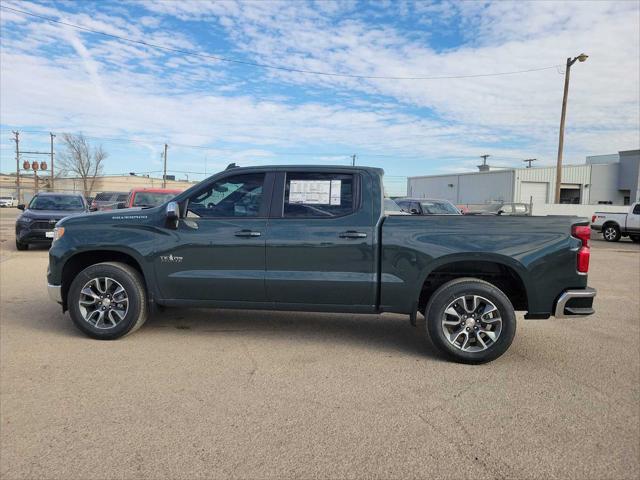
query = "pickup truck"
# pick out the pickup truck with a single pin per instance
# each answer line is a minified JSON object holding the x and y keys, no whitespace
{"x":616,"y":225}
{"x":317,"y":238}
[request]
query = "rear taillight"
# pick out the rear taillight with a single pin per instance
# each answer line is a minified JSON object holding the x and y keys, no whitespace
{"x":593,"y":218}
{"x":583,"y":233}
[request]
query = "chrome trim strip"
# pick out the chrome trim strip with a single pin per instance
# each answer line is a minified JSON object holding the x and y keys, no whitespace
{"x":55,"y":292}
{"x":568,"y":295}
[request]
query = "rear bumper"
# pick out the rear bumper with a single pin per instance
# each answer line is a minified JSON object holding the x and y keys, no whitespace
{"x":575,"y":303}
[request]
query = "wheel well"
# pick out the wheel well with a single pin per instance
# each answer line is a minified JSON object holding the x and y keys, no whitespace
{"x":503,"y":277}
{"x":80,"y":261}
{"x":610,"y":222}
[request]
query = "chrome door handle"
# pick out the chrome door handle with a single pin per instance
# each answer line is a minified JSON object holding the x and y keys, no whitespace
{"x":247,"y":233}
{"x":351,"y":234}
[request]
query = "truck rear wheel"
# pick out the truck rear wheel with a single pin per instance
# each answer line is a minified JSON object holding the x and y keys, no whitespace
{"x":470,"y":320}
{"x":108,"y":300}
{"x":611,"y":233}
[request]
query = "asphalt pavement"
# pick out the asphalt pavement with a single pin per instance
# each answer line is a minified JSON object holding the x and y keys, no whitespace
{"x":242,"y":394}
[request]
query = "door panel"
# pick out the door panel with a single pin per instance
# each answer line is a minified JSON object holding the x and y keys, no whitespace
{"x":321,"y":259}
{"x":217,"y":252}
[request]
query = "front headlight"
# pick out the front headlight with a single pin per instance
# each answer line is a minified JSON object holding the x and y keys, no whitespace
{"x":58,"y":232}
{"x":24,"y":219}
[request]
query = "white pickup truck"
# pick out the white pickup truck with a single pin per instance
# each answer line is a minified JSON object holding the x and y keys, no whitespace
{"x":616,"y":225}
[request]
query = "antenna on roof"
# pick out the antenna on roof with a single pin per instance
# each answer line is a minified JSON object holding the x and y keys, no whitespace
{"x":529,"y":160}
{"x":231,"y":165}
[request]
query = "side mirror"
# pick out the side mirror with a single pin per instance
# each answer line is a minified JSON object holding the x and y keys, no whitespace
{"x":172,"y":214}
{"x":414,"y":211}
{"x":21,"y":206}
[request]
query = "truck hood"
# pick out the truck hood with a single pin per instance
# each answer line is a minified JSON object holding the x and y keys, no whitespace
{"x":122,"y":215}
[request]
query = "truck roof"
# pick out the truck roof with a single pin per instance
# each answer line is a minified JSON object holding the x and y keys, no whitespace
{"x":373,"y":170}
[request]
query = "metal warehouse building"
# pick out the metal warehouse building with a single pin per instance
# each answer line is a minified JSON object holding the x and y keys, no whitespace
{"x":603,"y":179}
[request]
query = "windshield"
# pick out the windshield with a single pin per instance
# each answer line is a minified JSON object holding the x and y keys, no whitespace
{"x":151,"y":199}
{"x":439,"y":208}
{"x":56,"y":202}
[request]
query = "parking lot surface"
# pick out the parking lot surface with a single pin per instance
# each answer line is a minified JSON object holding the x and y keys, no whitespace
{"x":215,"y":394}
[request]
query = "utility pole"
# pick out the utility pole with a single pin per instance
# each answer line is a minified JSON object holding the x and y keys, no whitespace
{"x":529,"y":161}
{"x":164,"y":176}
{"x":17,"y":140}
{"x":52,"y":175}
{"x":353,"y":160}
{"x":581,"y":58}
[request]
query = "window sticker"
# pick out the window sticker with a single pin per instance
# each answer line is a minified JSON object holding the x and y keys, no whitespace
{"x":311,"y":192}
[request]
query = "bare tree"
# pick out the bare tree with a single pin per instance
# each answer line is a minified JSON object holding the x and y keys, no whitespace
{"x":81,"y":159}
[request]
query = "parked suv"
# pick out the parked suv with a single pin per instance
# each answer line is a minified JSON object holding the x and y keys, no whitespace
{"x":37,"y":222}
{"x":8,"y":201}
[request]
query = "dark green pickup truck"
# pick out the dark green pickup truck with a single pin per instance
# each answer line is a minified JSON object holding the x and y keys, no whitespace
{"x":317,"y":238}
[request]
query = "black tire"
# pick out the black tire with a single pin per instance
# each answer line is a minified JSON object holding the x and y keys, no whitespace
{"x":611,"y":232}
{"x":635,"y":238}
{"x":448,"y":293}
{"x":133,"y":284}
{"x":21,"y":246}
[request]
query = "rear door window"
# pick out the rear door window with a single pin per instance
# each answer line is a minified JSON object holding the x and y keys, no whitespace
{"x":318,"y":195}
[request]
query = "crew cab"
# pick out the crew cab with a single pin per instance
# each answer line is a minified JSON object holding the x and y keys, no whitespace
{"x":317,"y":238}
{"x":617,"y":225}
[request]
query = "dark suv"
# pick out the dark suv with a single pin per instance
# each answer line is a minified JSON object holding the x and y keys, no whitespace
{"x":37,"y":222}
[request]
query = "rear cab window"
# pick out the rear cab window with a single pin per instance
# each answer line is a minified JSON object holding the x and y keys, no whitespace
{"x":318,"y":195}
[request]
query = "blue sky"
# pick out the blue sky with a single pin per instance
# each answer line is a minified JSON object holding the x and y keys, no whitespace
{"x":133,"y":98}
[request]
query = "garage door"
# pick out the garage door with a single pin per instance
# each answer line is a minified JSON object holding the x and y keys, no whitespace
{"x":538,"y":191}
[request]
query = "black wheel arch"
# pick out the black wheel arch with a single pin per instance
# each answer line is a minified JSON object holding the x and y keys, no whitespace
{"x":81,"y":260}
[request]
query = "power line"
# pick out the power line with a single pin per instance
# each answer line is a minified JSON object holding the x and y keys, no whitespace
{"x":265,"y":65}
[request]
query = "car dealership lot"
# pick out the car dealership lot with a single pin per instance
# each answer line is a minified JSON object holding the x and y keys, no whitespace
{"x":213,"y":393}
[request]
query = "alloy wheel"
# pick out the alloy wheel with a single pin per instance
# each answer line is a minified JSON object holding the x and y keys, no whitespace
{"x":103,"y":302}
{"x":471,"y":323}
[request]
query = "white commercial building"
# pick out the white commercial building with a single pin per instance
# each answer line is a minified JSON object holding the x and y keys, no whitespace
{"x":603,"y":179}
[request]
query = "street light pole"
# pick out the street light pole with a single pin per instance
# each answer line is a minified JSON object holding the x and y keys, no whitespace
{"x":570,"y":61}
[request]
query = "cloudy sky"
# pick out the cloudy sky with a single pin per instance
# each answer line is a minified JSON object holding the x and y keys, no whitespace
{"x":133,"y":98}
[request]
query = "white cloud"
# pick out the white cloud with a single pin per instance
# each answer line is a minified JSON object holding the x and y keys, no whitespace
{"x":159,"y":95}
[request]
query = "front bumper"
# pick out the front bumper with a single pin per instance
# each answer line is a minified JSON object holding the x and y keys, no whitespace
{"x":575,"y":303}
{"x":55,"y":292}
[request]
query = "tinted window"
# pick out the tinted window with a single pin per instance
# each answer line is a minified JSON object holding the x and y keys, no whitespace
{"x":439,"y":208}
{"x":151,"y":199}
{"x":238,"y":196}
{"x":390,"y":206}
{"x":56,"y":202}
{"x":322,"y":195}
{"x":104,"y":197}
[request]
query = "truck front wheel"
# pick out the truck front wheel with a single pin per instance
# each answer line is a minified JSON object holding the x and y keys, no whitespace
{"x":108,"y":300}
{"x":470,"y":320}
